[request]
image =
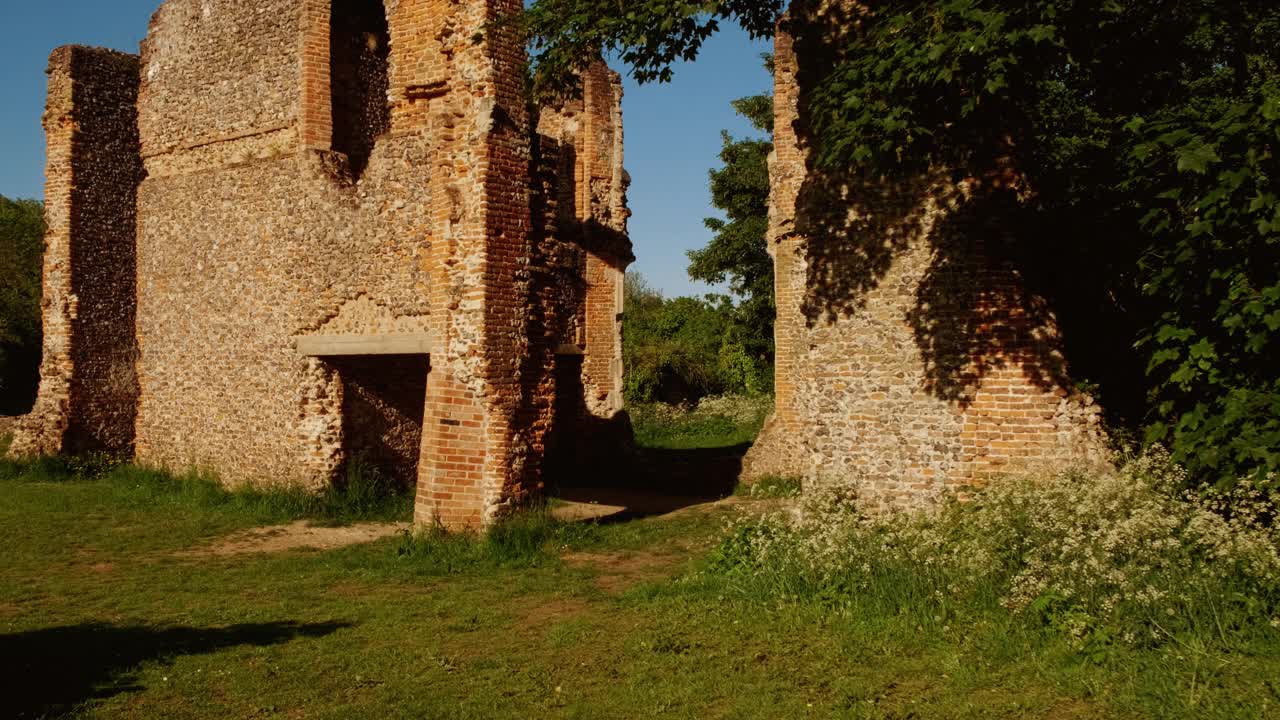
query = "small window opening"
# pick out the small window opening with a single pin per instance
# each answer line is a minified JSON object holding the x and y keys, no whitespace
{"x":360,"y":44}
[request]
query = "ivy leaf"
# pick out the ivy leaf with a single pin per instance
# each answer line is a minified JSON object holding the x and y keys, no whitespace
{"x":1197,"y":158}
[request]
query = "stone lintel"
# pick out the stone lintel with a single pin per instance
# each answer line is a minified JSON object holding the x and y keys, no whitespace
{"x":336,"y":345}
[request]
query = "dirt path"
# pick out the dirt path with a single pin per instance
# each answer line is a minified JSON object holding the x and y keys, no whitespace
{"x":300,"y":535}
{"x":579,"y":504}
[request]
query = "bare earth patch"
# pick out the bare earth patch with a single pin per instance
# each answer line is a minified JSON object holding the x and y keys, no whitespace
{"x":554,"y":610}
{"x":300,"y":535}
{"x":622,"y":571}
{"x":579,"y":504}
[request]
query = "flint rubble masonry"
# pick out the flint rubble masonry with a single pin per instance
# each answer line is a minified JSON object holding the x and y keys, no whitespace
{"x":911,"y":361}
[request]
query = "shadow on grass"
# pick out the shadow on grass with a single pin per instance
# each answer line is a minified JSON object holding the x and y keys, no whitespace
{"x":657,"y":481}
{"x":50,"y":672}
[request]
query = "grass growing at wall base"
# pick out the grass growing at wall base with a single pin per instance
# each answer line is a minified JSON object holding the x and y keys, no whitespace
{"x":364,"y":493}
{"x":532,"y":537}
{"x":770,"y":487}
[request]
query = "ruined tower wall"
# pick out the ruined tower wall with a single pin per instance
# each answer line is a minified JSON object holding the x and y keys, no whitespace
{"x":88,"y":389}
{"x":912,"y":362}
{"x":249,"y":240}
{"x":476,"y":456}
{"x":601,"y":187}
{"x":582,"y":256}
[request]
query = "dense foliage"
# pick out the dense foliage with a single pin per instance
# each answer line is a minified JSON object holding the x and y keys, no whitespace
{"x":738,"y":253}
{"x":1142,"y":136}
{"x":1121,"y":559}
{"x":21,"y":249}
{"x":682,"y":349}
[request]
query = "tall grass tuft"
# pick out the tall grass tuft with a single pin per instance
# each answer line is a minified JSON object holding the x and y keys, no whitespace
{"x":531,"y":537}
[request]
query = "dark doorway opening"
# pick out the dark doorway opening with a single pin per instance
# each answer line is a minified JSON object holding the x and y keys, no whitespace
{"x":383,"y":404}
{"x":360,"y":44}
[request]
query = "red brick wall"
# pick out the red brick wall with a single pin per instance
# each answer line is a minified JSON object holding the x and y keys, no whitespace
{"x":474,"y":462}
{"x":582,"y":203}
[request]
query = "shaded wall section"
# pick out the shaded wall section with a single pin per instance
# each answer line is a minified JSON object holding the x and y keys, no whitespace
{"x":912,"y":362}
{"x":582,"y":251}
{"x":382,"y":406}
{"x":88,"y":388}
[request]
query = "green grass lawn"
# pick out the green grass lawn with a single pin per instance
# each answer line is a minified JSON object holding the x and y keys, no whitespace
{"x":102,"y":616}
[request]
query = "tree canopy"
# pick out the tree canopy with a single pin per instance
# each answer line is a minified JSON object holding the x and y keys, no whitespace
{"x":1144,"y":134}
{"x":21,"y":250}
{"x":738,"y":253}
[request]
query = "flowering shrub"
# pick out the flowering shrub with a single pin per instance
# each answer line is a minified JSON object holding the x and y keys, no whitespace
{"x":1122,"y":556}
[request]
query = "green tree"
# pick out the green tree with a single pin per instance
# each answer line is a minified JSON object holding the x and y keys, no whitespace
{"x":1143,"y":132}
{"x":21,"y":250}
{"x":738,"y":252}
{"x":648,"y":35}
{"x":683,"y":348}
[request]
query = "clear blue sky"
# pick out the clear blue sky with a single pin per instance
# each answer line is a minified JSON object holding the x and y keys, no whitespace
{"x":672,"y":131}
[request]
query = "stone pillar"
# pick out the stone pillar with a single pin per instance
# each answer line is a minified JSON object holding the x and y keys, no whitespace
{"x":602,"y":211}
{"x":776,"y":451}
{"x":469,"y":96}
{"x":88,"y":383}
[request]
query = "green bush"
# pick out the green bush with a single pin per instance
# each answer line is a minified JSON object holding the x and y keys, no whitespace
{"x":682,"y":349}
{"x":1115,"y":558}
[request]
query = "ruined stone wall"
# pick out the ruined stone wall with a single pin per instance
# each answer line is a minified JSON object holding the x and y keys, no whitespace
{"x":580,"y":203}
{"x":325,"y":179}
{"x":218,"y":71}
{"x":248,"y":242}
{"x":911,"y":361}
{"x":88,"y":389}
{"x":602,"y":187}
